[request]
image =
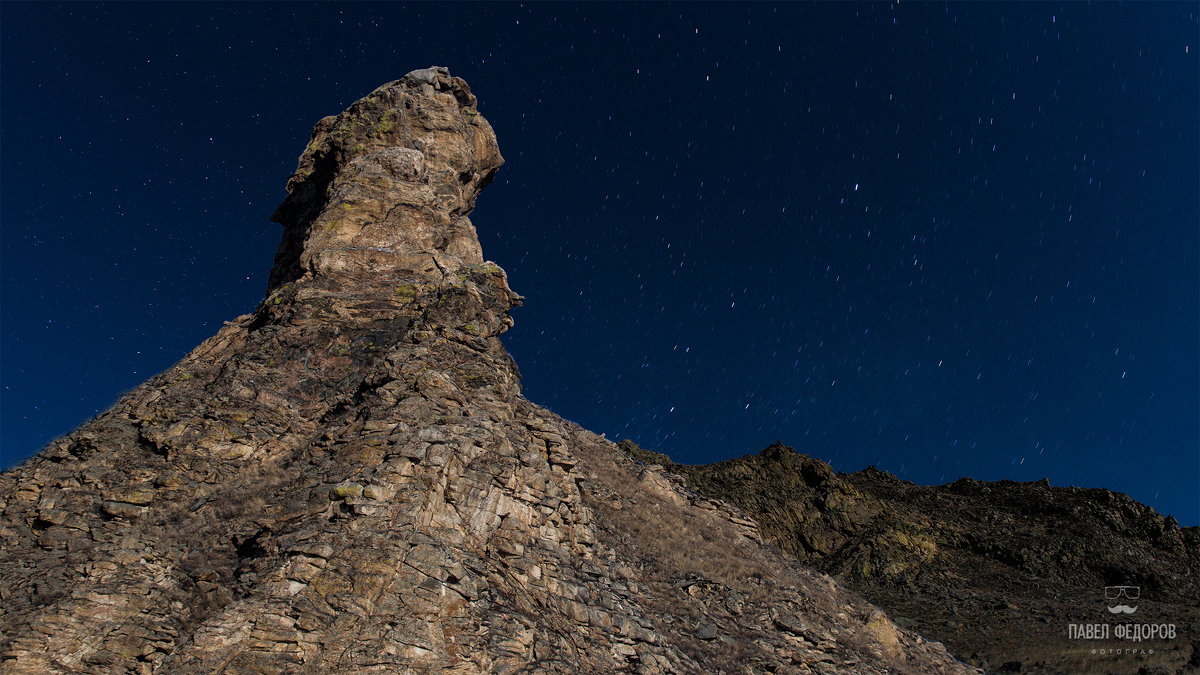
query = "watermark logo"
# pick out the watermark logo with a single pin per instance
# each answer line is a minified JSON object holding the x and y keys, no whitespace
{"x":1121,"y":600}
{"x":1113,"y":594}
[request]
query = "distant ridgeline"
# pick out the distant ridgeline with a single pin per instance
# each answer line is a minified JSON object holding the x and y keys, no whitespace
{"x":998,"y":572}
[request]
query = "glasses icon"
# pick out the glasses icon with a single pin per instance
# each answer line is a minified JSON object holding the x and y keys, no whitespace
{"x":1114,"y":592}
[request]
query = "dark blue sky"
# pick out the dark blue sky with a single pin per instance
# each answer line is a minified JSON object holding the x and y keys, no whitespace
{"x":944,"y":240}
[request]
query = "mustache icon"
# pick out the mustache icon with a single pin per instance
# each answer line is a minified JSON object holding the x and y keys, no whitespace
{"x":1123,"y":609}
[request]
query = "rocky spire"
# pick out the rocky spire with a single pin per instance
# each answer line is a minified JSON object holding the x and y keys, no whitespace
{"x":348,"y":480}
{"x":386,"y":186}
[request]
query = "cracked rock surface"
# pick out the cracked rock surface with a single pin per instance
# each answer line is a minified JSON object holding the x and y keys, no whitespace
{"x":349,"y":481}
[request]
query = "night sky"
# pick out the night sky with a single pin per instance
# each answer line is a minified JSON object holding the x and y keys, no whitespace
{"x":946,"y":240}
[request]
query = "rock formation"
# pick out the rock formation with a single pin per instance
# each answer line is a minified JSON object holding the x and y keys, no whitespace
{"x":348,"y":479}
{"x":995,"y":571}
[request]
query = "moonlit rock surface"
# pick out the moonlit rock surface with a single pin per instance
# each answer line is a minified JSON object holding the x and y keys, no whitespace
{"x":348,"y":480}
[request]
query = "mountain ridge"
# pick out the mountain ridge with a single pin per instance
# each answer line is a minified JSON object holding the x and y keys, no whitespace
{"x":995,"y":570}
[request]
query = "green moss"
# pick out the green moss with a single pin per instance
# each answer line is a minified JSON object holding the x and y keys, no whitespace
{"x":386,"y":123}
{"x":345,"y":127}
{"x":344,"y":490}
{"x":407,"y":291}
{"x":472,"y":329}
{"x":453,"y":298}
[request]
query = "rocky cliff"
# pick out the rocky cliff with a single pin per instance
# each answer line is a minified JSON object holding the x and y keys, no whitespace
{"x":348,"y":479}
{"x":996,"y":571}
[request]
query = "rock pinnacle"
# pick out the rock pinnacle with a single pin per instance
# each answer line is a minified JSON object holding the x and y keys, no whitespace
{"x":348,"y":480}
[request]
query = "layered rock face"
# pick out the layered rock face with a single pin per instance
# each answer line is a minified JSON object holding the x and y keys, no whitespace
{"x":348,"y":479}
{"x":996,"y":571}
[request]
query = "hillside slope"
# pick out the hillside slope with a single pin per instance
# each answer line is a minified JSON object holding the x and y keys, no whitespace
{"x":995,"y":571}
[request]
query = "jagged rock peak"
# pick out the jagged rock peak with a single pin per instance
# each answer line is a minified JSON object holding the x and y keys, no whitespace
{"x":349,"y":481}
{"x":386,"y":186}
